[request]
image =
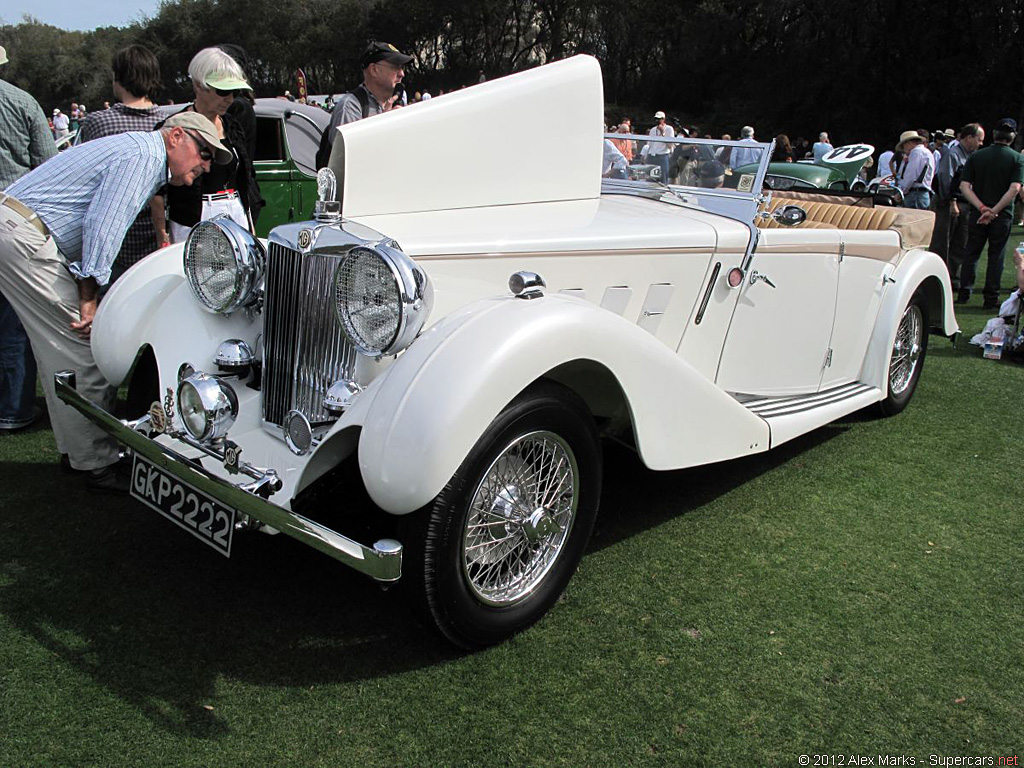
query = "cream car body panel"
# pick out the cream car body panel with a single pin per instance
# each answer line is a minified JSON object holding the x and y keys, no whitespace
{"x":152,"y":304}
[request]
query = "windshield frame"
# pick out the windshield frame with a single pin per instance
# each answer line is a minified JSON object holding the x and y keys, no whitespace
{"x":731,"y":202}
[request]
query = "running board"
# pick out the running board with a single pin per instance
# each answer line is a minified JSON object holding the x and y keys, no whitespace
{"x":795,"y":415}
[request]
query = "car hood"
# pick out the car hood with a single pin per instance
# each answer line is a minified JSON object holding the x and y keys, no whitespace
{"x":469,"y":149}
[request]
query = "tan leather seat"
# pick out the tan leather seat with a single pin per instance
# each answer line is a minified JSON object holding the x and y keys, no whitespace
{"x":913,"y":226}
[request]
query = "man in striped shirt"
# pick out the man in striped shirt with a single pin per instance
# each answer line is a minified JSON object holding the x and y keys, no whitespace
{"x":61,"y":227}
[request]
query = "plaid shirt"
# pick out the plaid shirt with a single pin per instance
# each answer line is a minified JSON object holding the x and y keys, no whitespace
{"x":140,"y":240}
{"x":25,"y":138}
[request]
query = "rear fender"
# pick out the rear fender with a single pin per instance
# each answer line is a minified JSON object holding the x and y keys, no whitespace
{"x":918,"y":269}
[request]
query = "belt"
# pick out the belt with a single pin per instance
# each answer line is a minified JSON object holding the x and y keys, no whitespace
{"x":23,"y":210}
{"x":224,"y":194}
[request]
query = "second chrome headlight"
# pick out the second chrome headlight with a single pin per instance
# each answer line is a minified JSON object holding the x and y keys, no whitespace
{"x":223,"y":263}
{"x":382,"y":299}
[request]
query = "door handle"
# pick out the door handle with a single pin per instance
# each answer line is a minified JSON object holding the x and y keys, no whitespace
{"x":755,"y":276}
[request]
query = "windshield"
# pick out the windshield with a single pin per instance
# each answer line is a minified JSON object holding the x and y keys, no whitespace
{"x":722,"y":176}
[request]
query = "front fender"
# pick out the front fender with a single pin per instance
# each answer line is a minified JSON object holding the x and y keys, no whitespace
{"x":153,"y":304}
{"x":434,"y":403}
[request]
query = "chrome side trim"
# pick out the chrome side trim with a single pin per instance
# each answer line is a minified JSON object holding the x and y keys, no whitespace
{"x":382,"y":561}
{"x":708,"y":292}
{"x":767,"y":407}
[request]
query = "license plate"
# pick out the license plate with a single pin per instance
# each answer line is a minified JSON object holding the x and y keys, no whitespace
{"x":205,"y":518}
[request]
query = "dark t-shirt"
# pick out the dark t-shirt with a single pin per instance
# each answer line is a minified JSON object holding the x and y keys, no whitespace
{"x":991,"y":171}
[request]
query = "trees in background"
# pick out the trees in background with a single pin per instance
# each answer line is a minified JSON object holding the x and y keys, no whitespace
{"x":861,"y":70}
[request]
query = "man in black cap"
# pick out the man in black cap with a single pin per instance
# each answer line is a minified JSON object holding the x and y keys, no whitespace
{"x":383,"y":69}
{"x":989,"y":182}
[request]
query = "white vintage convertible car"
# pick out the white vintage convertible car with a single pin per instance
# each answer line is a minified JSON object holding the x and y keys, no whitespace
{"x":417,"y":382}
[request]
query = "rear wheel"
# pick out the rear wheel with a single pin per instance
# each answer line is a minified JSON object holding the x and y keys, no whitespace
{"x":907,"y":357}
{"x":502,"y":540}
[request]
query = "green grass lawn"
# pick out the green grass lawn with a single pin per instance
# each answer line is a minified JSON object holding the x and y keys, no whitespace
{"x":857,"y":591}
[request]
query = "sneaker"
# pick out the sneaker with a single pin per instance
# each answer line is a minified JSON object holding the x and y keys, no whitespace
{"x":11,"y":425}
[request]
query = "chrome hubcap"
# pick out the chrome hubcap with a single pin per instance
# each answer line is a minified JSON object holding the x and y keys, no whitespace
{"x":906,"y":350}
{"x":520,"y":517}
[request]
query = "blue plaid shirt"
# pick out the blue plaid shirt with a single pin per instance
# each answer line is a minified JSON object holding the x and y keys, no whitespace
{"x":89,"y":195}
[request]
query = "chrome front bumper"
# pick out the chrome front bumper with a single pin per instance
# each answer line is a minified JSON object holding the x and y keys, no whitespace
{"x":382,"y":561}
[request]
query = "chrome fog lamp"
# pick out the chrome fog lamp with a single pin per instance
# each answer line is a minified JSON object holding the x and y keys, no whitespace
{"x":208,"y":407}
{"x":382,"y":299}
{"x":234,"y":356}
{"x":223,"y":263}
{"x":341,"y":395}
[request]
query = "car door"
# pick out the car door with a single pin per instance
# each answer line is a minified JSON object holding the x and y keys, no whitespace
{"x":778,"y":340}
{"x":273,"y":173}
{"x":867,"y":261}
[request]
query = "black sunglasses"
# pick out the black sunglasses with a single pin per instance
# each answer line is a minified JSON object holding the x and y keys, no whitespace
{"x":233,"y":92}
{"x":205,"y":153}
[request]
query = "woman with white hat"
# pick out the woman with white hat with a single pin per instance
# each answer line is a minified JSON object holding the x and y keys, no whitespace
{"x":231,"y":188}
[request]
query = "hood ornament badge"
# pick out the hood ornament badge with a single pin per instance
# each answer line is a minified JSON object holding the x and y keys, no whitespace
{"x":328,"y":207}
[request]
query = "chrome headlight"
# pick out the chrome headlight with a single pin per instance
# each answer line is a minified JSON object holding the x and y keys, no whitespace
{"x":224,"y":264}
{"x":382,"y":299}
{"x":208,"y":406}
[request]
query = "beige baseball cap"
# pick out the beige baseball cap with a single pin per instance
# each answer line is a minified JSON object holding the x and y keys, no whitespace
{"x":207,"y":131}
{"x":3,"y":55}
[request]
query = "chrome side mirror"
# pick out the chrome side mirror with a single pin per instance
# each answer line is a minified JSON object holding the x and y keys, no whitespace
{"x":790,"y":215}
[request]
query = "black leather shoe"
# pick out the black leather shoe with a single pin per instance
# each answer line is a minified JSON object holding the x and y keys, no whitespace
{"x":123,"y":465}
{"x":107,"y":480}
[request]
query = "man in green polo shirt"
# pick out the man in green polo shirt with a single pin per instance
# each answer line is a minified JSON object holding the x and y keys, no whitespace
{"x":989,"y":181}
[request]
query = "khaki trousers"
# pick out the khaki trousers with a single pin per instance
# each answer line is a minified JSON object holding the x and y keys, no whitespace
{"x":35,"y":279}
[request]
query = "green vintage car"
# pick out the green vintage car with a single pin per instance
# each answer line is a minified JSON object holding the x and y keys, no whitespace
{"x":287,"y":137}
{"x":836,"y":171}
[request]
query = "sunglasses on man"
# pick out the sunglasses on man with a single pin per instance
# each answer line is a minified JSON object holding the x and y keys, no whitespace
{"x":205,"y":153}
{"x":222,"y":92}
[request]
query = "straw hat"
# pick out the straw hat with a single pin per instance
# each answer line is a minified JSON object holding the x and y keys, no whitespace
{"x":908,"y":136}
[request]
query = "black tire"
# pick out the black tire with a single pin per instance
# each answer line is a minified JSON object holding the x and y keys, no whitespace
{"x":907,"y":356}
{"x":461,"y":547}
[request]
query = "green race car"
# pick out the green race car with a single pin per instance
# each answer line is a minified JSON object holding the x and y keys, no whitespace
{"x":836,"y":171}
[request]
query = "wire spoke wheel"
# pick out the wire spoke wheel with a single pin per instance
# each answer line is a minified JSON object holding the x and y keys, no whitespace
{"x":502,"y":539}
{"x":519,"y":518}
{"x":906,"y":350}
{"x":906,"y":359}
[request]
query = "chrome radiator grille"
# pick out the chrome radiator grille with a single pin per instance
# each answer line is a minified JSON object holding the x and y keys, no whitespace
{"x":305,"y":349}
